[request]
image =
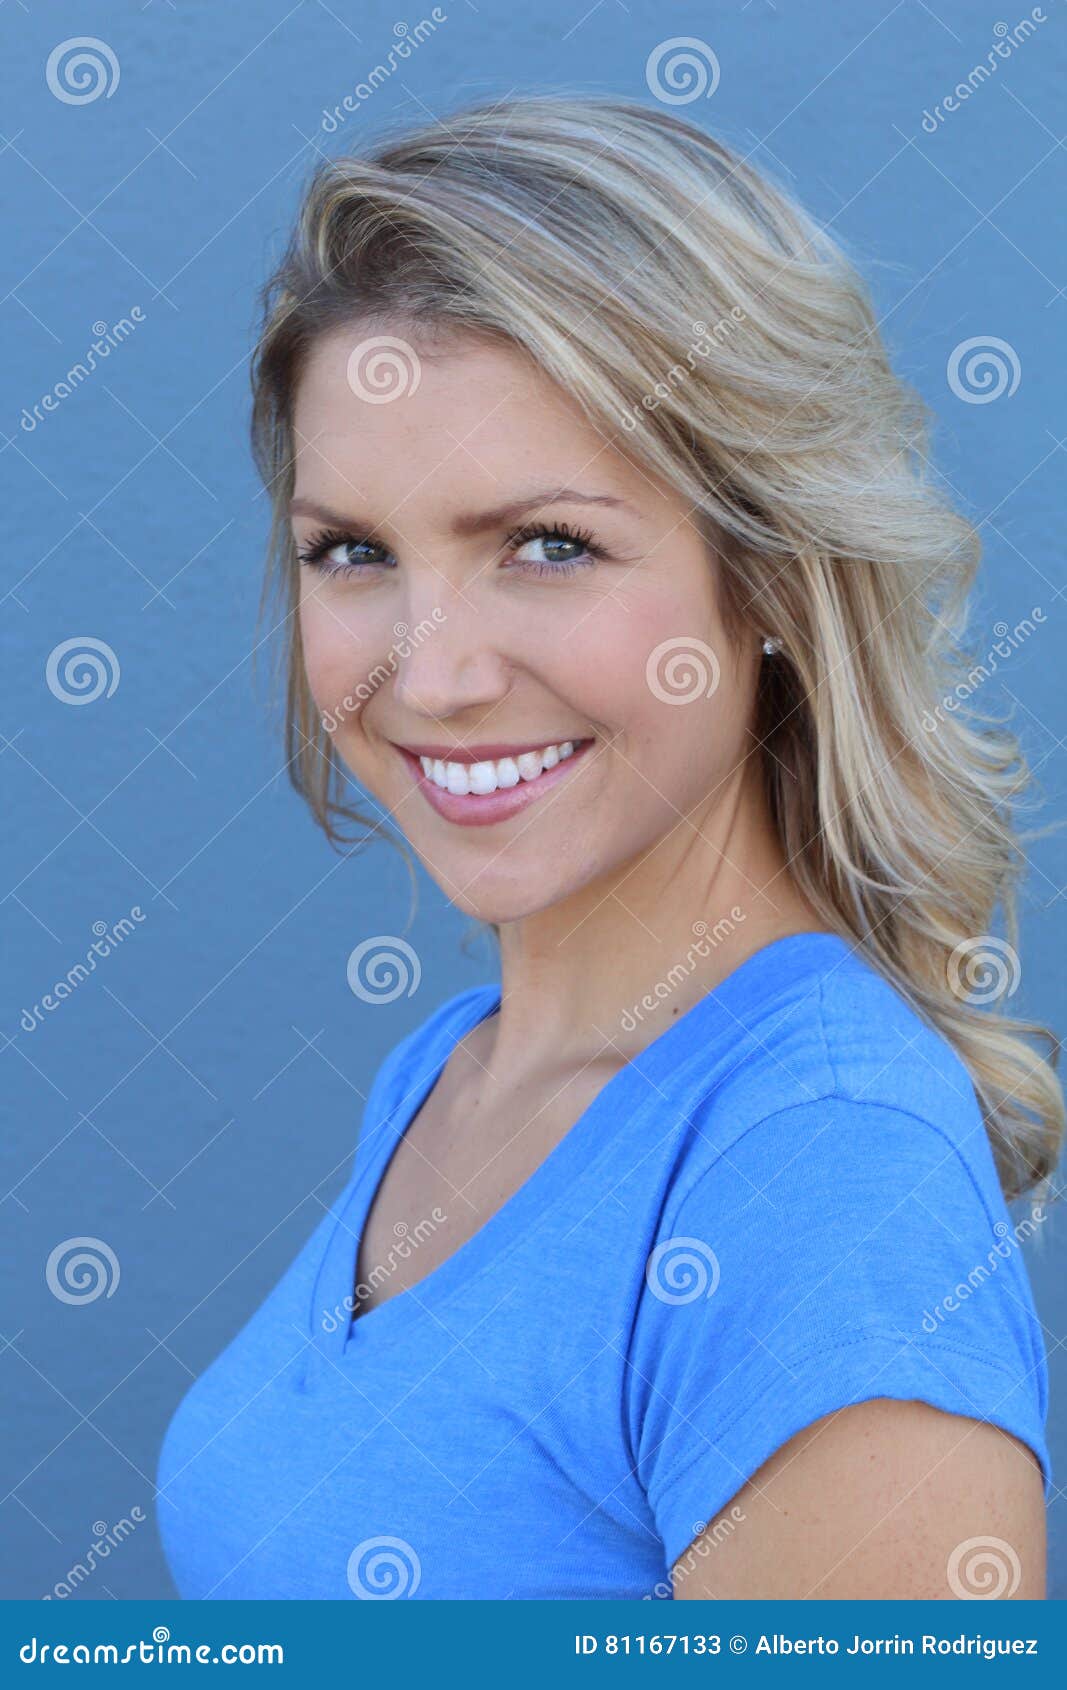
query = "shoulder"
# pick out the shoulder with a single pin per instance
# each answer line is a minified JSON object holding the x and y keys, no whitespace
{"x":838,"y":1072}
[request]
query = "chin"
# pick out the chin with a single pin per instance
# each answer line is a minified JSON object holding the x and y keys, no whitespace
{"x":495,"y":905}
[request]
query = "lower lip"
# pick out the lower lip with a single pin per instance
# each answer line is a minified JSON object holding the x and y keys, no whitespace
{"x":483,"y":808}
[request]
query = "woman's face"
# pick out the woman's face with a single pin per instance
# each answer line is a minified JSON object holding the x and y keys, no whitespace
{"x":493,"y":578}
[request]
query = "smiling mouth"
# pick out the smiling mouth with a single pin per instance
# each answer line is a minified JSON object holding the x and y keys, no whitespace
{"x":484,"y":784}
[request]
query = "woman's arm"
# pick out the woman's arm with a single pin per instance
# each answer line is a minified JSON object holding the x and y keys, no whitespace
{"x":884,"y":1499}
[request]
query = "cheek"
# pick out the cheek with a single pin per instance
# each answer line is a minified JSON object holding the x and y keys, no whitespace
{"x":334,"y":654}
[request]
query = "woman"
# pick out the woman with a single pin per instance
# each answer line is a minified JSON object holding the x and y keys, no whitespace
{"x":677,"y":1265}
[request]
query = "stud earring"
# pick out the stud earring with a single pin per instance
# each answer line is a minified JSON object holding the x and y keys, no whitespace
{"x":771,"y":646}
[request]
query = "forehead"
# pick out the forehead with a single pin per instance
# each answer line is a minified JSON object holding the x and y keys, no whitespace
{"x":405,"y":407}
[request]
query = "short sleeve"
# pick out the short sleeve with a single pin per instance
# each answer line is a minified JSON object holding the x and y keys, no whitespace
{"x":839,"y":1250}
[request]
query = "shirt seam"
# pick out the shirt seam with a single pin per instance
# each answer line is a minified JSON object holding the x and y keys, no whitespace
{"x":838,"y":1095}
{"x":875,"y":1336}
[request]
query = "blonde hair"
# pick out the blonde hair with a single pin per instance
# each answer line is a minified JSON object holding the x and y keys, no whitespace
{"x":708,"y":326}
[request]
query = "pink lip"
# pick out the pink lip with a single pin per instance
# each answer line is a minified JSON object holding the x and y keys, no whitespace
{"x":482,"y":809}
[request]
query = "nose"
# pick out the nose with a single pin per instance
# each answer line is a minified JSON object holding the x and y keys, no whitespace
{"x":449,"y":662}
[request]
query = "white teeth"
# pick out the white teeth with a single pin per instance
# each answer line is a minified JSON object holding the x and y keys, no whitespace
{"x":483,"y":778}
{"x":529,"y":764}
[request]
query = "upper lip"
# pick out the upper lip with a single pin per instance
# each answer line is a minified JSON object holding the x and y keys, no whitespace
{"x":484,"y":753}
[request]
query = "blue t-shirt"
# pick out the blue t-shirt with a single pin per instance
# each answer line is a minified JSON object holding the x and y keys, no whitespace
{"x":785,"y":1204}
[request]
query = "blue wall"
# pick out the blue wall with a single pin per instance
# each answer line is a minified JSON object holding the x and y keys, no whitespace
{"x":194,"y":1102}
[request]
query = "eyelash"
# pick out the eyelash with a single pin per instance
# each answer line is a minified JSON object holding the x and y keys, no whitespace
{"x":318,"y":544}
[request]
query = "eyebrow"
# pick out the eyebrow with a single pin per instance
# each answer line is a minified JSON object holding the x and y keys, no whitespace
{"x":477,"y":522}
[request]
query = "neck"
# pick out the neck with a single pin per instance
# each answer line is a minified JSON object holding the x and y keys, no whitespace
{"x":667,"y":926}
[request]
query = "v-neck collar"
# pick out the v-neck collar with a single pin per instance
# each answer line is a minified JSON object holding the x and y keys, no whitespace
{"x":759,"y":978}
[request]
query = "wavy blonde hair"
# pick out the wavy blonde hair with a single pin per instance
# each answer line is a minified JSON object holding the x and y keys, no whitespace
{"x":710,"y":328}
